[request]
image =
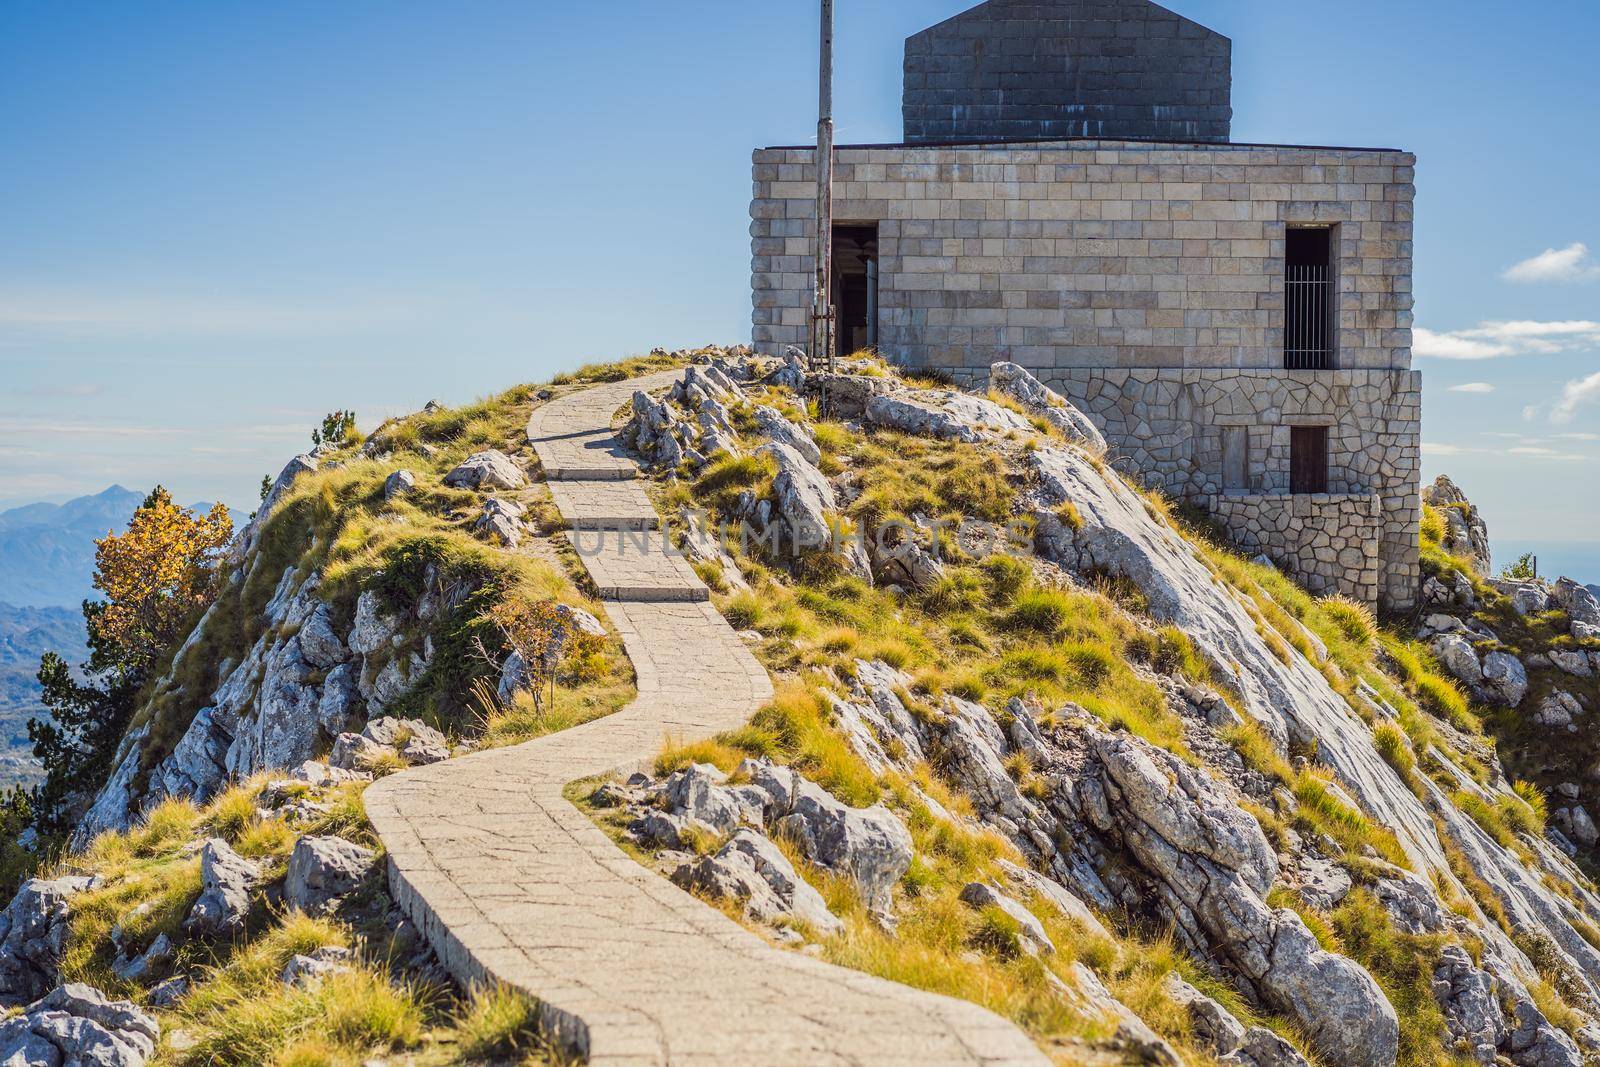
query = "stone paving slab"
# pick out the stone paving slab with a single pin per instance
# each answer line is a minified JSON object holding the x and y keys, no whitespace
{"x":604,"y":505}
{"x":637,"y":565}
{"x":512,"y":883}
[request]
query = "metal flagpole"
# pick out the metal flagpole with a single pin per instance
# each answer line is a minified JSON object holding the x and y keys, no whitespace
{"x":822,"y":315}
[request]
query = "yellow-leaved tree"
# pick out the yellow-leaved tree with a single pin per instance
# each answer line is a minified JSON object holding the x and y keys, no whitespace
{"x":154,"y":575}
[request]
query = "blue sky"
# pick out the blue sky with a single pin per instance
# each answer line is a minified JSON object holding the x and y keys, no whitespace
{"x":220,"y":220}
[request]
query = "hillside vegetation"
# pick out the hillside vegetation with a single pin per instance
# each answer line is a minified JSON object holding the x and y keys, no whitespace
{"x":1040,"y":740}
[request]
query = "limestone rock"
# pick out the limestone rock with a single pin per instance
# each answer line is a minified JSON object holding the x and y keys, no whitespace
{"x":501,"y":521}
{"x":226,"y":880}
{"x":1031,"y":935}
{"x":310,"y":969}
{"x":1576,"y":824}
{"x":777,"y":427}
{"x":1132,"y":1032}
{"x":869,"y":845}
{"x":804,"y":497}
{"x":1571,"y":661}
{"x":489,"y":469}
{"x":323,"y":870}
{"x":1410,"y":902}
{"x":400,"y":483}
{"x":302,"y":464}
{"x":167,"y":993}
{"x":1465,"y":532}
{"x":373,"y":626}
{"x":1038,"y":399}
{"x":752,"y":870}
{"x":1471,"y":1006}
{"x":947,"y":415}
{"x":1214,"y":866}
{"x":906,"y":564}
{"x":79,"y":1026}
{"x":1504,"y":678}
{"x":697,"y":792}
{"x":33,"y":931}
{"x":141,"y":967}
{"x":1213,"y":1024}
{"x":1456,"y":655}
{"x":1558,"y":710}
{"x":1064,"y":900}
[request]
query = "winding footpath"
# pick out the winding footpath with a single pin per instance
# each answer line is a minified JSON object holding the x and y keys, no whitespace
{"x":512,"y":883}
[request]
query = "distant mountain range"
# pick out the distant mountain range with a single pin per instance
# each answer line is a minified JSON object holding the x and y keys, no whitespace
{"x":46,"y":572}
{"x":26,"y":633}
{"x":47,"y":550}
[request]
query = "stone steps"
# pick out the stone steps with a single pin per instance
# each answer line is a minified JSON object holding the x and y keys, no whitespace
{"x":511,"y":883}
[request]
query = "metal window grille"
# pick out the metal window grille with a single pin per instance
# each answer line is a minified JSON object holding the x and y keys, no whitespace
{"x":1308,"y":318}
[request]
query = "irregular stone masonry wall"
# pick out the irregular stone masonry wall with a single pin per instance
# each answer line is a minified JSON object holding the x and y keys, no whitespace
{"x":1122,"y":263}
{"x":1329,"y":541}
{"x":1174,"y":429}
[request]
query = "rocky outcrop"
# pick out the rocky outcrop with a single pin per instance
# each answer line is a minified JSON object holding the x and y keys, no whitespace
{"x":323,"y":871}
{"x":489,"y":469}
{"x":33,"y":931}
{"x":227,"y":880}
{"x":1037,"y":399}
{"x":1225,"y":1036}
{"x":804,"y":508}
{"x":299,"y":687}
{"x":754,"y":872}
{"x":78,"y":1026}
{"x":1031,"y":935}
{"x":501,"y":521}
{"x":948,"y":414}
{"x":870,"y":846}
{"x":1212,"y":867}
{"x":1466,"y":534}
{"x":309,"y":969}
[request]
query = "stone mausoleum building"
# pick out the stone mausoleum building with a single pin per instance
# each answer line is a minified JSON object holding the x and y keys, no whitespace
{"x":1235,"y":317}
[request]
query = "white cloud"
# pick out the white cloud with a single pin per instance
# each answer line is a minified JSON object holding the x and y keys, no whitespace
{"x":1437,"y":448}
{"x":1471,"y":387}
{"x":1540,"y":452}
{"x":1569,"y":264}
{"x":1575,"y":394}
{"x":1490,"y":340}
{"x":1577,"y":437}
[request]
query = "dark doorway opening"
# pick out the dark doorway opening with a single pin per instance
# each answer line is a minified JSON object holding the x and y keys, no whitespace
{"x":1308,"y":298}
{"x":855,"y":286}
{"x":1308,"y":459}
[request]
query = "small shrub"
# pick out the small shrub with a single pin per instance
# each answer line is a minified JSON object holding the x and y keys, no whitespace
{"x":496,"y":1023}
{"x":1523,"y":570}
{"x":1043,"y":611}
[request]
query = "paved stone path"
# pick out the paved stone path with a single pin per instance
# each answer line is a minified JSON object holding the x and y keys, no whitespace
{"x":512,"y":883}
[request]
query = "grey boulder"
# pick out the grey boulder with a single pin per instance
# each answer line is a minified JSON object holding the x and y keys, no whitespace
{"x":226,"y":880}
{"x":1038,"y":399}
{"x":1504,"y":678}
{"x":1031,"y":935}
{"x":79,"y":1026}
{"x":489,"y":469}
{"x":323,"y":871}
{"x":33,"y":931}
{"x":753,"y":871}
{"x":869,"y":845}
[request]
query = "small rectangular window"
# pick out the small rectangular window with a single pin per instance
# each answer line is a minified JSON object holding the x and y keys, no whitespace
{"x":1308,"y":459}
{"x":1308,"y":298}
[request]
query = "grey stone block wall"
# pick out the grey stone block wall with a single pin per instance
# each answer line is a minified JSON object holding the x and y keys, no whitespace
{"x":1020,"y":69}
{"x":1145,"y":282}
